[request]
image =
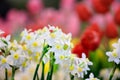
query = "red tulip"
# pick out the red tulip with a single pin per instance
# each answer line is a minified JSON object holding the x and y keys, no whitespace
{"x":96,"y":28}
{"x":100,"y":7}
{"x":90,"y":40}
{"x":117,"y":16}
{"x":111,"y":30}
{"x":78,"y":50}
{"x":83,"y":11}
{"x":107,"y":2}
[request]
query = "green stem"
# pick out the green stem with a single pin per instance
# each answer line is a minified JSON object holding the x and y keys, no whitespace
{"x":6,"y":74}
{"x":37,"y":67}
{"x":52,"y":61}
{"x":112,"y":73}
{"x":71,"y":77}
{"x":45,"y":50}
{"x":42,"y":75}
{"x":37,"y":76}
{"x":13,"y":73}
{"x":51,"y":72}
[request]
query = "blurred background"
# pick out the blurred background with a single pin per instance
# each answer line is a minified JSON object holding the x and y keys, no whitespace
{"x":94,"y":24}
{"x":70,"y":15}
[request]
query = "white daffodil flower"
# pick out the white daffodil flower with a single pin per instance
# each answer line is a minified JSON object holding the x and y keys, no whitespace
{"x":24,"y":65}
{"x":24,"y":35}
{"x":6,"y":39}
{"x":2,"y":44}
{"x":16,"y":58}
{"x":91,"y":77}
{"x":79,"y":66}
{"x":113,"y":56}
{"x":117,"y":44}
{"x":4,"y":62}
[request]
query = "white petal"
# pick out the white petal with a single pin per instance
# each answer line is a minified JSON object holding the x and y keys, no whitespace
{"x":83,"y":55}
{"x":91,"y":75}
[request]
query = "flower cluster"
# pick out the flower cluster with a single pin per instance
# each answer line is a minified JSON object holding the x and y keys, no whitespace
{"x":114,"y":56}
{"x":77,"y":66}
{"x":49,"y":44}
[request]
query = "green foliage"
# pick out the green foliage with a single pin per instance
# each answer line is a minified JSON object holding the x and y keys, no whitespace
{"x":100,"y":61}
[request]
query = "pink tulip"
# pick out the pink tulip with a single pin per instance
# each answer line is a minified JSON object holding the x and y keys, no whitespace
{"x":109,"y":17}
{"x":67,"y":4}
{"x":16,"y":18}
{"x":4,"y":28}
{"x":34,"y":6}
{"x":99,"y":19}
{"x":72,"y":24}
{"x":115,"y":5}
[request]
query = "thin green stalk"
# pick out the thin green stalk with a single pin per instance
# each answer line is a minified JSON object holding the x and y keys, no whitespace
{"x":112,"y":73}
{"x":45,"y":50}
{"x":52,"y":61}
{"x":71,"y":77}
{"x":37,"y":76}
{"x":48,"y":75}
{"x":51,"y":72}
{"x":6,"y":74}
{"x":37,"y":67}
{"x":42,"y":75}
{"x":13,"y":73}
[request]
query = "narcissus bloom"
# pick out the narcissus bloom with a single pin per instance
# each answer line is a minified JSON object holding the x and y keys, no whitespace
{"x":91,"y":77}
{"x":114,"y":56}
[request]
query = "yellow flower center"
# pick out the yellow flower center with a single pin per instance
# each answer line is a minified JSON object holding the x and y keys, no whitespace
{"x":16,"y":56}
{"x":24,"y":47}
{"x":37,"y":55}
{"x":35,"y":44}
{"x":30,"y":58}
{"x":58,"y":46}
{"x":53,"y":35}
{"x":62,"y":57}
{"x":28,"y":37}
{"x":114,"y":54}
{"x":80,"y":69}
{"x":24,"y":64}
{"x":29,"y":51}
{"x":3,"y":60}
{"x":93,"y":79}
{"x":71,"y":68}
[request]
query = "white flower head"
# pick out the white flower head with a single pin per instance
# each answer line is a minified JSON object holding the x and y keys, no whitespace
{"x":117,"y":44}
{"x":114,"y":56}
{"x":4,"y":41}
{"x":16,"y":58}
{"x":4,"y":62}
{"x":79,"y":66}
{"x":25,"y":64}
{"x":91,"y":77}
